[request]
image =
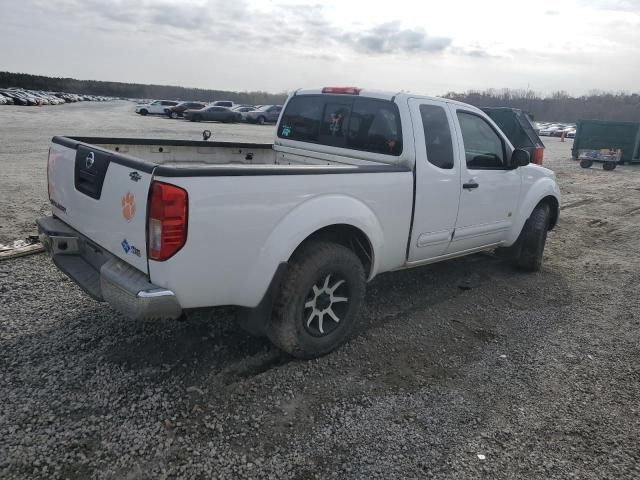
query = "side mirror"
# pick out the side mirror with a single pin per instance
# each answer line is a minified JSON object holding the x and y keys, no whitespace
{"x":520,"y":158}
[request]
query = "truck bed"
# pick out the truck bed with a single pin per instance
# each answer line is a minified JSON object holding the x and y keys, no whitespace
{"x":243,"y":200}
{"x":188,"y":154}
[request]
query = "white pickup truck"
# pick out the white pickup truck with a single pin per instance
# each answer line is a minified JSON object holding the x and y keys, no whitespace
{"x":356,"y":183}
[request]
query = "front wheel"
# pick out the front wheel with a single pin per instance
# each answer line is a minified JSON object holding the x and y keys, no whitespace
{"x":529,"y":248}
{"x":143,"y":112}
{"x":317,"y":308}
{"x":174,"y":114}
{"x":586,"y":163}
{"x":261,"y":120}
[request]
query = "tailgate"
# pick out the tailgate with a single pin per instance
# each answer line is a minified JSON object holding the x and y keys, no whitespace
{"x":103,"y":195}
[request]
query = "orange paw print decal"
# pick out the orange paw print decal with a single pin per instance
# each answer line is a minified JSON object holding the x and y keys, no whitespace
{"x":128,"y":206}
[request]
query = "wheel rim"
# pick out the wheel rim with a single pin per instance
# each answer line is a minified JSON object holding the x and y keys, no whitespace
{"x":326,"y":305}
{"x":174,"y":115}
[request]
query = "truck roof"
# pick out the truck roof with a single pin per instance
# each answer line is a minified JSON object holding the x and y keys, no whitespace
{"x":384,"y":95}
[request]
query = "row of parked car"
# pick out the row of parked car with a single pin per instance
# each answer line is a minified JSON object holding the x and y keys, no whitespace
{"x":556,"y":130}
{"x":20,"y":96}
{"x":218,"y":111}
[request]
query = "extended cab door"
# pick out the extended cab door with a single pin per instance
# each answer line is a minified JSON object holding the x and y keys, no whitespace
{"x":490,"y":188}
{"x":437,"y":175}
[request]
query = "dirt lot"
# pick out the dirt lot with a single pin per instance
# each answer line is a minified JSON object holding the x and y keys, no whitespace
{"x":515,"y":376}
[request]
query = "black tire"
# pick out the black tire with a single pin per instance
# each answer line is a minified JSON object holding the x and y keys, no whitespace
{"x":586,"y":163}
{"x":143,"y":112}
{"x":174,"y":115}
{"x":295,"y":327}
{"x":529,"y":248}
{"x":609,"y":166}
{"x":261,"y":120}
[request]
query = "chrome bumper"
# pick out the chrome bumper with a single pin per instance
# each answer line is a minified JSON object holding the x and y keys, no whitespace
{"x":103,"y":276}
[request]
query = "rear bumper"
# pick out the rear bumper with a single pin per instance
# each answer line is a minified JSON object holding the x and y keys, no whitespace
{"x":103,"y":276}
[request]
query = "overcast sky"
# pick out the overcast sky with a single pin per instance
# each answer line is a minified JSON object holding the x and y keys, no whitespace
{"x":421,"y":46}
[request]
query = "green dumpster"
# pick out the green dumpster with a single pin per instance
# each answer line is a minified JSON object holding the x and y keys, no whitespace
{"x":594,"y":135}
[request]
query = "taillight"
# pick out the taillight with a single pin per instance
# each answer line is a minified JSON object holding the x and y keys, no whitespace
{"x":166,"y":221}
{"x":49,"y":165}
{"x":342,"y":90}
{"x":537,"y":155}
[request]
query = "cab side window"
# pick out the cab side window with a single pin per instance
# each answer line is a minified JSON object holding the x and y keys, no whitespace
{"x":437,"y":136}
{"x":483,"y":147}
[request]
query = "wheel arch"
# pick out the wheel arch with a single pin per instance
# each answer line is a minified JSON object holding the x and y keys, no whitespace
{"x":355,"y":226}
{"x":348,"y":236}
{"x":543,"y":191}
{"x":339,"y":217}
{"x":554,"y":209}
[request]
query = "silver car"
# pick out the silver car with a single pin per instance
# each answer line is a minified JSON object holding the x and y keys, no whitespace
{"x":264,"y":114}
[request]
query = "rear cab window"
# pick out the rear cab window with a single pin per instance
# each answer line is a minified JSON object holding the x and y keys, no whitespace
{"x":356,"y":123}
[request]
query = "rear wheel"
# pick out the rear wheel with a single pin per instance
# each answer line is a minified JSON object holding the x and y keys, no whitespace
{"x":174,"y":114}
{"x":609,"y":166}
{"x":317,"y":308}
{"x":261,"y":120}
{"x":529,"y":248}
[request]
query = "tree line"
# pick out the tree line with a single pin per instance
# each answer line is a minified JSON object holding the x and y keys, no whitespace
{"x":559,"y":106}
{"x":134,"y":90}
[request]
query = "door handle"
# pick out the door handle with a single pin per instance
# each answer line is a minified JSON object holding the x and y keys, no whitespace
{"x":470,"y":186}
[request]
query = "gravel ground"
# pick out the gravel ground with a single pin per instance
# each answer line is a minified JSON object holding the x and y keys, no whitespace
{"x":514,"y":376}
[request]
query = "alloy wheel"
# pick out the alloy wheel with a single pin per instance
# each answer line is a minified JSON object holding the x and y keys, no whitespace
{"x":326,"y":305}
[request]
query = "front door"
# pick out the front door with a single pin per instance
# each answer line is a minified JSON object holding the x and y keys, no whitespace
{"x":437,"y":176}
{"x":490,"y":190}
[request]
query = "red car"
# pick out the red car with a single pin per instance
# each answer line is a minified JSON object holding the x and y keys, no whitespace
{"x":178,"y":110}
